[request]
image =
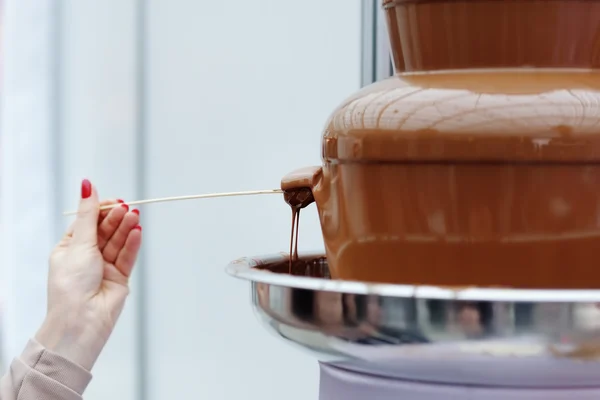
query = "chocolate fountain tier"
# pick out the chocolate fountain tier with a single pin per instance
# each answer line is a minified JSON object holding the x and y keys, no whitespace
{"x":466,"y":336}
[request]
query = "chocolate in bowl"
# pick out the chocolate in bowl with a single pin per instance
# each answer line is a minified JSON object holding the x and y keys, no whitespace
{"x":303,"y":266}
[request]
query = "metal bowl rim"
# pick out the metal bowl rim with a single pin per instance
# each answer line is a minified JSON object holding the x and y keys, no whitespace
{"x":243,"y":268}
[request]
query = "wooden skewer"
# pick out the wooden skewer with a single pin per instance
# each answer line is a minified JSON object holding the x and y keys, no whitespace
{"x":191,"y":197}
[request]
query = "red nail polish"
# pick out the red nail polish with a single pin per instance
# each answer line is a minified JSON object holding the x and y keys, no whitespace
{"x":136,"y":211}
{"x":125,"y":206}
{"x":120,"y":201}
{"x":139,"y":228}
{"x":86,"y":189}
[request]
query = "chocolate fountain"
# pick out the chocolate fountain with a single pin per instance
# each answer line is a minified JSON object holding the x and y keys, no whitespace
{"x":459,"y":203}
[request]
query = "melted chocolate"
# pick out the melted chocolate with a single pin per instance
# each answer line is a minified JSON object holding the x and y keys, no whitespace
{"x":478,"y":163}
{"x":297,"y":199}
{"x":309,"y":267}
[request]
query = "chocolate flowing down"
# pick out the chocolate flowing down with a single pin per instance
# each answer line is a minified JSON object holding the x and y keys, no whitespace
{"x":297,"y":199}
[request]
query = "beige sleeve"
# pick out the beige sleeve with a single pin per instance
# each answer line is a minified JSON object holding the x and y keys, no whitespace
{"x":41,"y":374}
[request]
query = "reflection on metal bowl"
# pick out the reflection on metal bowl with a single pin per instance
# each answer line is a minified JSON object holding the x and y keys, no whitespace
{"x":478,"y":336}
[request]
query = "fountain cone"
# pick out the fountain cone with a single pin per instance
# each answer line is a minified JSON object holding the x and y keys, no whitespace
{"x":459,"y":207}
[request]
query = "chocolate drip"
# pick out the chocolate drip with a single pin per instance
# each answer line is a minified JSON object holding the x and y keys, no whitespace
{"x":295,"y":257}
{"x":297,"y":199}
{"x":294,"y":236}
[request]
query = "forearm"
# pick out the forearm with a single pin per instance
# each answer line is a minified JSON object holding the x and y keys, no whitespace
{"x":77,"y":340}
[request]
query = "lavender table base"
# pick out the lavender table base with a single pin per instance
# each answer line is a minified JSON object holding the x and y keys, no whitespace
{"x":340,"y":384}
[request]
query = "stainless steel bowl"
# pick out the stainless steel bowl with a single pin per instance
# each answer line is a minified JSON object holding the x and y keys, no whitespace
{"x":499,"y":337}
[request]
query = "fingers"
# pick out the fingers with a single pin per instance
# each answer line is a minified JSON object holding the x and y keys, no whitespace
{"x":86,"y":222}
{"x":128,"y":254}
{"x":104,"y":213}
{"x":109,"y":225}
{"x":118,"y":239}
{"x":108,"y":229}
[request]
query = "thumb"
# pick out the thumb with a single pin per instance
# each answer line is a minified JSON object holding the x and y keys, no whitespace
{"x":85,"y":227}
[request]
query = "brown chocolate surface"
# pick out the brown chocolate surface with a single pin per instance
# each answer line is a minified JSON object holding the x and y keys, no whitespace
{"x":482,"y":116}
{"x":478,"y":164}
{"x":301,"y":266}
{"x":434,"y":35}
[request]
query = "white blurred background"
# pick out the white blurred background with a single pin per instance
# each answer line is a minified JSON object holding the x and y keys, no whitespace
{"x":152,"y":98}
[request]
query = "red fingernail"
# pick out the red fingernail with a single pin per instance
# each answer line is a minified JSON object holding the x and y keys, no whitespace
{"x":136,"y":211}
{"x":86,"y":189}
{"x":120,"y":201}
{"x":139,"y":228}
{"x":125,"y":206}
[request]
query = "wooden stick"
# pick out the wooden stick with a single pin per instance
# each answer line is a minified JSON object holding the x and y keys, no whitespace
{"x":191,"y":197}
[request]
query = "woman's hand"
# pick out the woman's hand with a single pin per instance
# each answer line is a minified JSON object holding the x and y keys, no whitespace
{"x":89,"y":278}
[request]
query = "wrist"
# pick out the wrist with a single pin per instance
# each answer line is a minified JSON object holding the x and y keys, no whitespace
{"x":78,"y":341}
